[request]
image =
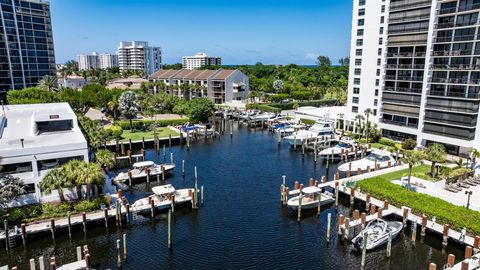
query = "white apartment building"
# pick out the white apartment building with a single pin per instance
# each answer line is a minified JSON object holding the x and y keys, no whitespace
{"x":416,"y":64}
{"x":138,"y":55}
{"x":35,"y":138}
{"x":221,"y":86}
{"x":199,"y":60}
{"x":94,"y":60}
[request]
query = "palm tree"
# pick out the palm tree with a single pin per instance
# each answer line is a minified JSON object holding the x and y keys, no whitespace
{"x":113,"y":107}
{"x":56,"y":179}
{"x":367,"y":113}
{"x":94,"y":177}
{"x":48,"y":83}
{"x":474,"y":154}
{"x":436,"y":154}
{"x":105,"y":158}
{"x":459,"y":163}
{"x":359,"y":118}
{"x":412,"y":158}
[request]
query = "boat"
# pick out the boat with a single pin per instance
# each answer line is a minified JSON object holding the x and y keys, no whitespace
{"x":376,"y":157}
{"x":319,"y":129}
{"x":286,"y":129}
{"x":261,"y":117}
{"x":309,"y":198}
{"x":376,"y":232}
{"x":336,"y":150}
{"x":140,"y":168}
{"x":162,"y":199}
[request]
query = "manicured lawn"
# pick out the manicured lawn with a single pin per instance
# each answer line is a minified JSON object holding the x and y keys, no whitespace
{"x":389,"y":148}
{"x":138,"y":135}
{"x":458,"y":217}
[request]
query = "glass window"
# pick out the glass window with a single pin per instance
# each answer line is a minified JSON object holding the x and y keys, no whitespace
{"x":355,"y":100}
{"x":361,"y":12}
{"x":358,"y":52}
{"x":356,"y":90}
{"x":361,"y":22}
{"x":359,"y":32}
{"x":354,"y":109}
{"x":358,"y":71}
{"x":359,"y":42}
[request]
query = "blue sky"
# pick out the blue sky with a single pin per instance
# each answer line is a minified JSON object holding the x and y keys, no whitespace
{"x":241,"y":31}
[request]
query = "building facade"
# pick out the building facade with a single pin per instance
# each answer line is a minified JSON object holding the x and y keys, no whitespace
{"x":138,"y":55}
{"x":38,"y":138}
{"x":221,"y":86}
{"x":94,"y":60}
{"x":427,"y":70}
{"x":26,"y":43}
{"x":199,"y":60}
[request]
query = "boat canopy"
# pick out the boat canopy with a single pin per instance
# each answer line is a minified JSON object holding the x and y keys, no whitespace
{"x":143,"y":164}
{"x":162,"y":190}
{"x":311,"y":190}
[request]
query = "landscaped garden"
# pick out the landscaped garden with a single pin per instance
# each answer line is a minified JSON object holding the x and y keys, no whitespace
{"x":137,"y":135}
{"x":381,"y":188}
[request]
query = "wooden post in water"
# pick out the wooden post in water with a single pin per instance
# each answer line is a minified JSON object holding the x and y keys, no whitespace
{"x":79,"y":253}
{"x":329,"y":220}
{"x":53,"y":263}
{"x":164,"y":153}
{"x":32,"y":264}
{"x":7,"y":235}
{"x":319,"y":201}
{"x":446,"y":227}
{"x":183,"y":167}
{"x":424,"y":225}
{"x":201,"y":193}
{"x":300,"y":197}
{"x":84,"y":221}
{"x":24,"y":233}
{"x":188,"y":140}
{"x":119,"y":256}
{"x":340,"y":223}
{"x":147,"y":172}
{"x":372,"y":209}
{"x":468,"y":252}
{"x":364,"y":253}
{"x":170,"y":140}
{"x":152,"y":207}
{"x":405,"y":217}
{"x":414,"y":231}
{"x":286,"y":196}
{"x":450,"y":260}
{"x":389,"y":245}
{"x":367,"y":201}
{"x":163,"y":172}
{"x":170,"y":229}
{"x":336,"y":195}
{"x":352,"y":196}
{"x":464,"y":265}
{"x":363,"y":219}
{"x":41,"y":263}
{"x":129,"y":178}
{"x":346,"y":234}
{"x":143,"y":142}
{"x":105,"y":213}
{"x":130,"y":144}
{"x":171,"y":158}
{"x":279,"y":138}
{"x":315,"y":152}
{"x":52,"y":227}
{"x":196,"y":189}
{"x":127,"y":208}
{"x":125,"y":247}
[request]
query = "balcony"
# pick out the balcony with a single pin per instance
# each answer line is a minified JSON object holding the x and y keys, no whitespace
{"x":407,"y":54}
{"x":404,"y":66}
{"x":454,"y":95}
{"x":452,"y":53}
{"x":408,"y":30}
{"x":410,"y":5}
{"x":444,"y":25}
{"x":446,"y":10}
{"x":459,"y":133}
{"x":409,"y":18}
{"x":399,"y":123}
{"x":454,"y":121}
{"x":410,"y":78}
{"x":468,"y":7}
{"x":455,"y":67}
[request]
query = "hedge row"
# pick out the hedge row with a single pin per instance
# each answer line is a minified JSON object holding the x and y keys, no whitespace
{"x":314,"y":103}
{"x":263,"y":107}
{"x":138,"y":124}
{"x":387,"y":142}
{"x":307,"y":121}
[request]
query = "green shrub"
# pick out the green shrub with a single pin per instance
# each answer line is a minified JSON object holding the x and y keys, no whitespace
{"x":314,"y":103}
{"x":387,"y":142}
{"x":307,"y":121}
{"x":86,"y":205}
{"x":263,"y":107}
{"x":409,"y":144}
{"x":139,"y":124}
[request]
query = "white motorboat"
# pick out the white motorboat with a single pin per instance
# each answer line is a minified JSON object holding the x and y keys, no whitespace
{"x":336,"y":151}
{"x":309,"y":198}
{"x":319,"y":129}
{"x":262,"y":117}
{"x":376,"y":157}
{"x":287,"y":129}
{"x":162,"y":199}
{"x":140,"y":169}
{"x":377,"y":232}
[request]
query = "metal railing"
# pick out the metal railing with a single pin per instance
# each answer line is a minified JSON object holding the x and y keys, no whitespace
{"x":409,"y":18}
{"x":398,"y":123}
{"x":450,"y":94}
{"x":410,"y":5}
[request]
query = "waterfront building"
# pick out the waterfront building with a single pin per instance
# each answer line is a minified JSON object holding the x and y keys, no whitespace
{"x":199,"y":60}
{"x":94,"y":60}
{"x":26,"y":47}
{"x":130,"y":83}
{"x":138,"y":55}
{"x":221,"y":86}
{"x":416,"y":64}
{"x":36,"y":138}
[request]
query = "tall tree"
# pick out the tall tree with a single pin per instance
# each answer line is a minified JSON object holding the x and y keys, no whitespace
{"x":10,"y":187}
{"x":344,"y":61}
{"x":128,"y":106}
{"x":412,"y":158}
{"x":435,"y":153}
{"x":474,"y":154}
{"x":56,"y":179}
{"x":324,"y":61}
{"x":367,"y":113}
{"x":48,"y":83}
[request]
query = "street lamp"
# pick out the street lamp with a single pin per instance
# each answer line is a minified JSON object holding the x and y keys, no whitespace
{"x":469,"y":193}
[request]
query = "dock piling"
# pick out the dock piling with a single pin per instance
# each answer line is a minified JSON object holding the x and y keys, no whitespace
{"x":53,"y":263}
{"x":24,"y":233}
{"x":125,"y":247}
{"x":389,"y":245}
{"x":152,"y":207}
{"x":405,"y":216}
{"x":363,"y":219}
{"x":346,"y":234}
{"x":367,"y":202}
{"x":7,"y":242}
{"x":169,"y":229}
{"x":84,"y":221}
{"x":32,"y":264}
{"x":424,"y":225}
{"x":364,"y":253}
{"x":41,"y":263}
{"x":432,"y":266}
{"x":446,"y":227}
{"x":329,"y":220}
{"x":336,"y":196}
{"x":468,"y":252}
{"x":340,"y":223}
{"x":201,"y":194}
{"x":52,"y":227}
{"x":105,"y":214}
{"x":69,"y":220}
{"x":450,"y":260}
{"x":299,"y":210}
{"x":119,"y":256}
{"x":414,"y":231}
{"x":79,"y":253}
{"x":183,"y":167}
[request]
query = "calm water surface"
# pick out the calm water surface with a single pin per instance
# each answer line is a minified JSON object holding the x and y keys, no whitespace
{"x":242,"y":224}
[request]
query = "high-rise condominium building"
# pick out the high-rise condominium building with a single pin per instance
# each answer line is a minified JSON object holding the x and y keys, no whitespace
{"x":138,"y":55}
{"x":26,"y":43}
{"x":103,"y":61}
{"x":416,"y":65}
{"x":199,"y":60}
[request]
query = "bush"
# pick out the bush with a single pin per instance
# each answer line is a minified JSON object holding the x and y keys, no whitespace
{"x":263,"y":107}
{"x":409,"y":144}
{"x":139,"y":124}
{"x":307,"y":121}
{"x":387,"y":142}
{"x":314,"y":103}
{"x":87,"y":206}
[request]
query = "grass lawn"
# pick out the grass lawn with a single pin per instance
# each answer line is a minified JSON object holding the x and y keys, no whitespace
{"x":137,"y":135}
{"x":389,"y":148}
{"x":458,"y":217}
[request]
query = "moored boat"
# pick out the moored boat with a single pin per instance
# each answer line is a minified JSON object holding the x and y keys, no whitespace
{"x":380,"y":158}
{"x":309,"y":198}
{"x":377,"y":232}
{"x":141,"y":169}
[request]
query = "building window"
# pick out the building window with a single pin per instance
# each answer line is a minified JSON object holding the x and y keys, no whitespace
{"x":359,"y":32}
{"x":358,"y":71}
{"x":361,"y":2}
{"x":379,"y":51}
{"x":378,"y":72}
{"x":374,"y":112}
{"x":376,"y":92}
{"x":358,"y":52}
{"x":379,"y":62}
{"x":383,"y":8}
{"x":361,"y":12}
{"x":382,"y":19}
{"x":355,"y":100}
{"x":356,"y":81}
{"x":375,"y":102}
{"x":356,"y":90}
{"x":359,"y":42}
{"x":380,"y":41}
{"x":354,"y":109}
{"x":358,"y":62}
{"x":381,"y":30}
{"x":377,"y":82}
{"x":361,"y":22}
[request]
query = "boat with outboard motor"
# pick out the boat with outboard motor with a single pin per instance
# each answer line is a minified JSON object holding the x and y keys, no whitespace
{"x":309,"y":198}
{"x":163,"y":197}
{"x":337,"y":150}
{"x":321,"y":128}
{"x":380,"y":158}
{"x":141,"y":169}
{"x":377,"y":232}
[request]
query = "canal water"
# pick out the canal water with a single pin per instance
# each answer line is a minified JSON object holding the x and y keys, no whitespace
{"x":242,"y":224}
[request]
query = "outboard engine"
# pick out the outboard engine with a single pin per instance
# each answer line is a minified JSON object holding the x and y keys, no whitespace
{"x":357,"y":243}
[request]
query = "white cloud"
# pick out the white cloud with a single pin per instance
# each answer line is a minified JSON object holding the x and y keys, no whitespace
{"x":311,"y":56}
